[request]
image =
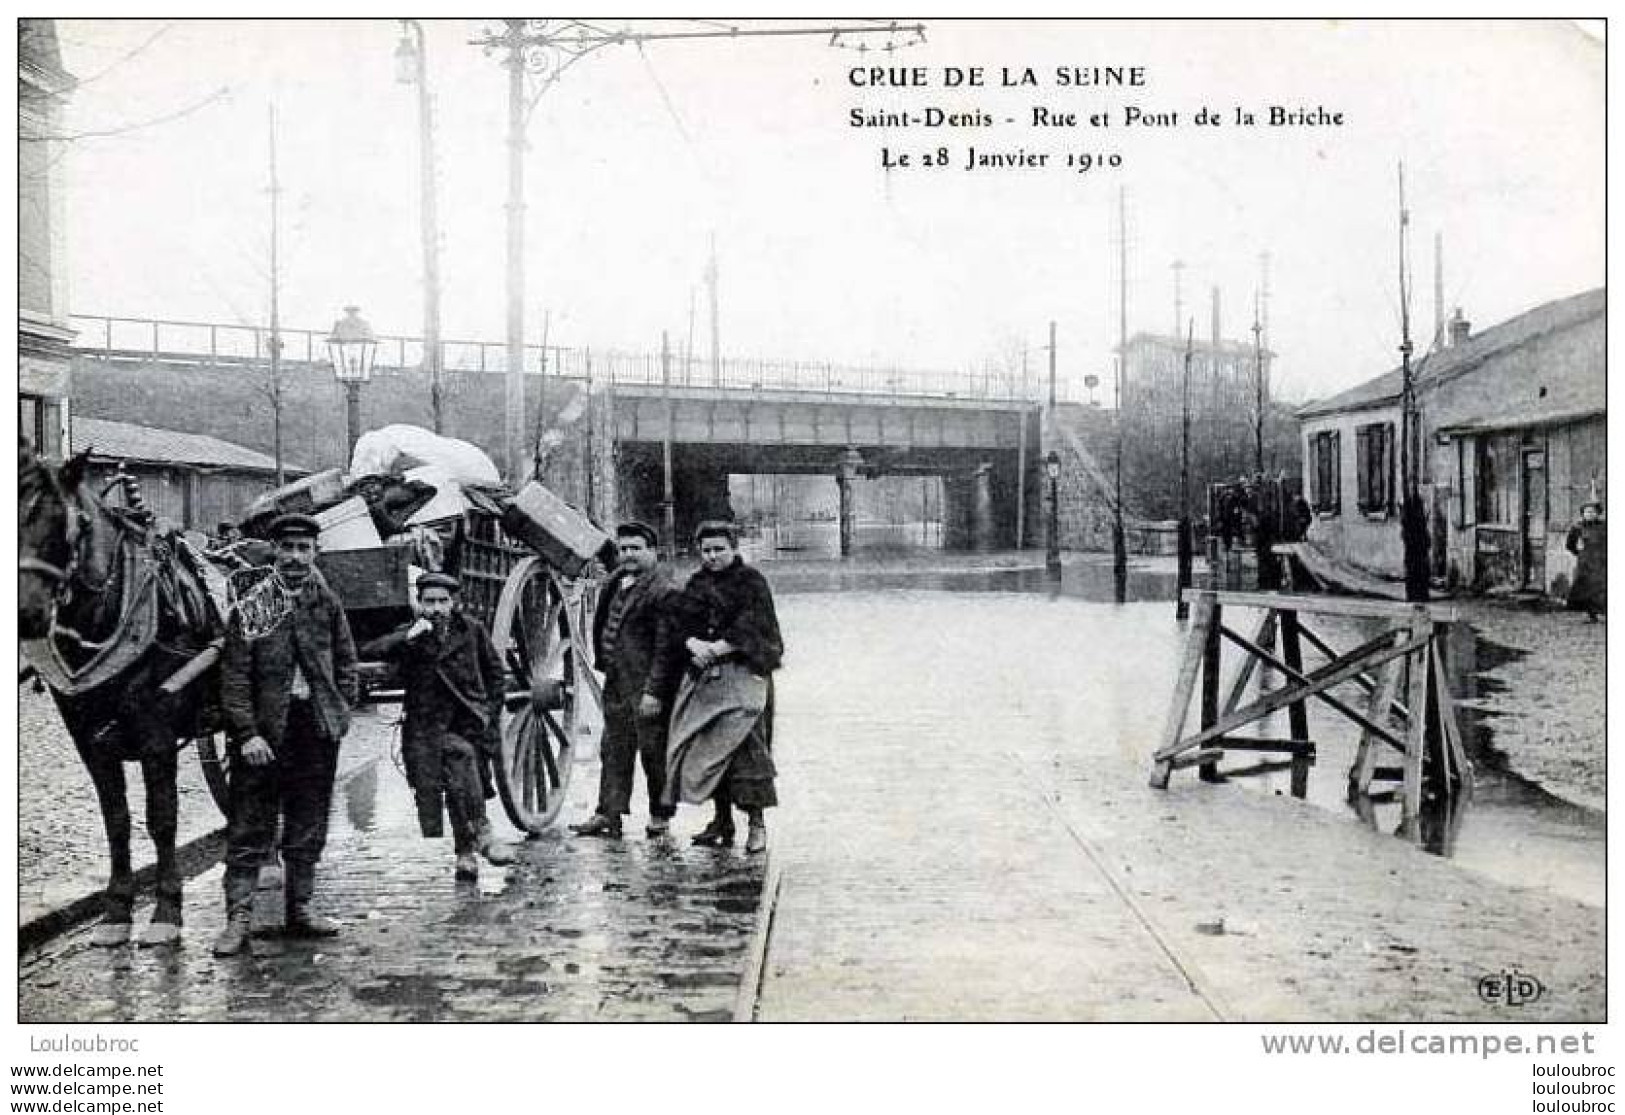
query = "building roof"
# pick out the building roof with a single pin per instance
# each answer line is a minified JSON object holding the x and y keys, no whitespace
{"x":148,"y":444}
{"x":1448,"y":363}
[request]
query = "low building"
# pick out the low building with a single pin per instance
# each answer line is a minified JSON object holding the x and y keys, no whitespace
{"x":1512,"y":440}
{"x":44,"y":336}
{"x":191,"y":479}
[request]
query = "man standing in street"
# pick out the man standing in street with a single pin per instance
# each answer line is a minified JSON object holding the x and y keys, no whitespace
{"x":454,"y":684}
{"x":631,"y":638}
{"x":287,"y":698}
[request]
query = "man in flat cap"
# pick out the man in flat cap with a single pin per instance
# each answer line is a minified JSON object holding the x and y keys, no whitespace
{"x":287,"y":697}
{"x":454,"y":684}
{"x":631,"y":635}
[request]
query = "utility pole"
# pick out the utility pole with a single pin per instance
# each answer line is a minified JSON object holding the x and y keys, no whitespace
{"x":716,"y":332}
{"x":1119,"y":541}
{"x":1271,"y":497}
{"x":1178,"y":268}
{"x":1181,"y":608}
{"x":276,"y":323}
{"x":1413,"y":523}
{"x":413,"y":61}
{"x":668,"y":506}
{"x":549,"y":48}
{"x":514,"y":448}
{"x":1258,"y":390}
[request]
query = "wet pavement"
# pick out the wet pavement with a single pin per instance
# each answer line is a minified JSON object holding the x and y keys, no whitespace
{"x":578,"y":930}
{"x":968,"y":834}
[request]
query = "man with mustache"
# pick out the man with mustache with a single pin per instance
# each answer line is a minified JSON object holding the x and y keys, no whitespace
{"x":287,"y":697}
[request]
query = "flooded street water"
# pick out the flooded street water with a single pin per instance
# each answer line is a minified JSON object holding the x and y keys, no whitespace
{"x":1099,"y":675}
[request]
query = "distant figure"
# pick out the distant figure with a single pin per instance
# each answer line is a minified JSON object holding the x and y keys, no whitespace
{"x":1299,"y":516}
{"x":1588,"y":542}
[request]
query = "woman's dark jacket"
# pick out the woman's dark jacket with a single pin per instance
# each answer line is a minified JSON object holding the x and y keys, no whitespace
{"x":735,"y":604}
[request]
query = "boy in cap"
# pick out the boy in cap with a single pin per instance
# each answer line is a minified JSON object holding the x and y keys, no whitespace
{"x":632,"y":641}
{"x":286,"y":698}
{"x":454,"y":684}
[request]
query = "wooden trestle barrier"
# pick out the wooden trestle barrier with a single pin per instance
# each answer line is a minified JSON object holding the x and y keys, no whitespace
{"x":1409,"y":657}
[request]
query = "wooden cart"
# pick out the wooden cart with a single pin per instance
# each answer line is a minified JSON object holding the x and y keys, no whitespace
{"x":538,"y":618}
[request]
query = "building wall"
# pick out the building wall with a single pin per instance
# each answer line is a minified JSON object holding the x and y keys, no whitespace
{"x":1559,"y":371}
{"x":44,"y":382}
{"x":193,"y":498}
{"x":1367,"y":540}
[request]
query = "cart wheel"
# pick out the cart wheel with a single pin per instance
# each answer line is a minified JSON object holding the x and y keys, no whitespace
{"x":216,"y":760}
{"x":531,"y":633}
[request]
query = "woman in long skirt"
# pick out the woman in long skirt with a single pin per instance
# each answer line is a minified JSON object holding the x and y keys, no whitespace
{"x":1588,"y":542}
{"x":720,"y":746}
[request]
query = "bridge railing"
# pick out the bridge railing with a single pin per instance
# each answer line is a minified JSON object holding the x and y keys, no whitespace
{"x":117,"y":338}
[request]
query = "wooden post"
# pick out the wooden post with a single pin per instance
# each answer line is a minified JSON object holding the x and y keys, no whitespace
{"x":1380,"y":704}
{"x":1292,"y":651}
{"x":1209,"y":771}
{"x":1416,"y":663}
{"x":1264,"y":638}
{"x":1179,"y":709}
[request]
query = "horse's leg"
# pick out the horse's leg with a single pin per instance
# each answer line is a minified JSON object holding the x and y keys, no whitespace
{"x":118,"y":902}
{"x":158,"y":768}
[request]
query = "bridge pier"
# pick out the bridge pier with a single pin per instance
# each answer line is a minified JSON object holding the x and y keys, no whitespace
{"x":845,"y":475}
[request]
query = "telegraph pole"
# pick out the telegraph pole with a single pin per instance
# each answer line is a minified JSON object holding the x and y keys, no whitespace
{"x":514,"y":437}
{"x":1413,"y":523}
{"x":716,"y":331}
{"x":548,"y":48}
{"x":1119,"y":541}
{"x":414,"y":59}
{"x":1181,"y":608}
{"x":276,"y":322}
{"x":668,"y":505}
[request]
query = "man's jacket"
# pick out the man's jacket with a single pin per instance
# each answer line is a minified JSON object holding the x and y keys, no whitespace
{"x":256,"y":678}
{"x":642,"y":657}
{"x":453,"y":681}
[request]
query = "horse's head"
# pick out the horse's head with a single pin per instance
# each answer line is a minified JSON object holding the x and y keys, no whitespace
{"x":51,"y":520}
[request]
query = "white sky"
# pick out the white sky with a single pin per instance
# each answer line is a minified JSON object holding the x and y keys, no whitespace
{"x":637,"y":158}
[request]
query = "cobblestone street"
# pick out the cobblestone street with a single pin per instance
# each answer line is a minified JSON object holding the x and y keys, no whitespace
{"x":966,"y":833}
{"x":578,"y":930}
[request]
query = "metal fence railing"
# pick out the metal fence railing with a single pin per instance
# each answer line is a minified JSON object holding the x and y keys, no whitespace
{"x":119,"y":338}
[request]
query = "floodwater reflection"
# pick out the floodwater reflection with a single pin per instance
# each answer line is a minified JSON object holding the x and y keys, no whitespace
{"x":1117,"y":678}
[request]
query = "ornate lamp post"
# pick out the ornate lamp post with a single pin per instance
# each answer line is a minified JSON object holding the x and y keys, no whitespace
{"x":1052,"y":556}
{"x":351,"y":347}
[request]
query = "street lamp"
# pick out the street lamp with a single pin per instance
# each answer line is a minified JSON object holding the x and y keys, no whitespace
{"x":1052,"y":556}
{"x":351,"y":347}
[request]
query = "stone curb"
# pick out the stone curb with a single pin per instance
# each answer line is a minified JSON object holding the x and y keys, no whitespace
{"x":755,"y":974}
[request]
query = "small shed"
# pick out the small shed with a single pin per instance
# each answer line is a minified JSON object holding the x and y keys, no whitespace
{"x":193,"y":479}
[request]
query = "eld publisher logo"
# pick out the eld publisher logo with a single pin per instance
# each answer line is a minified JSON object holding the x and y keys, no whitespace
{"x":1510,"y":987}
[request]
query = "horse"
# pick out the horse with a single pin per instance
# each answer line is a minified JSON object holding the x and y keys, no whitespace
{"x":109,"y":611}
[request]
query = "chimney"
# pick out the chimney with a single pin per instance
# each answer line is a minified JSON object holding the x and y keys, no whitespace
{"x":1460,"y":327}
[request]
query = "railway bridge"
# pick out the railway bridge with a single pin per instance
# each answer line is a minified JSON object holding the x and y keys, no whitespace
{"x":608,"y":421}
